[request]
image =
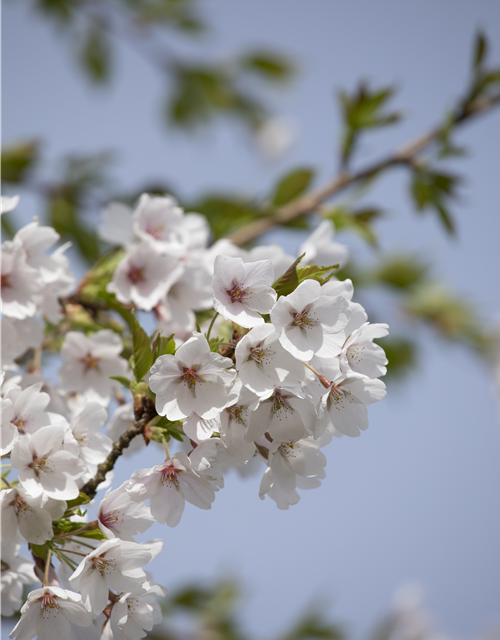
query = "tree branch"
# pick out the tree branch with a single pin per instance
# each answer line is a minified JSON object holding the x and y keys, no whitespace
{"x":144,"y":412}
{"x":402,"y":156}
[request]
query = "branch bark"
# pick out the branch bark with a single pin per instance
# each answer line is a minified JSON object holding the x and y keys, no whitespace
{"x":144,"y":412}
{"x":402,"y":156}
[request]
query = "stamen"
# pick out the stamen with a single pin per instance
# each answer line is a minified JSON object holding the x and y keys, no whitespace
{"x":237,"y":293}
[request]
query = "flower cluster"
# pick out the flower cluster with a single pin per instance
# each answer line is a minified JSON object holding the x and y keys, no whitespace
{"x":267,"y":358}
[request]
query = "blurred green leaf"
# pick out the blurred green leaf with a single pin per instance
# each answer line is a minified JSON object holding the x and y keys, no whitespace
{"x":402,"y":354}
{"x":289,"y":281}
{"x":291,"y":186}
{"x":401,"y":271}
{"x":480,"y":49}
{"x":60,"y":10}
{"x":143,"y":358}
{"x":358,"y":221}
{"x":226,"y":213}
{"x":315,"y":272}
{"x":431,"y":190}
{"x":268,"y":64}
{"x":18,"y":159}
{"x":314,"y":625}
{"x":63,"y":216}
{"x":96,"y":279}
{"x":162,"y":346}
{"x":95,"y":54}
{"x":122,"y":380}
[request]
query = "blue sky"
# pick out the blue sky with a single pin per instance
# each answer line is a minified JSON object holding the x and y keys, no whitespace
{"x":415,"y":497}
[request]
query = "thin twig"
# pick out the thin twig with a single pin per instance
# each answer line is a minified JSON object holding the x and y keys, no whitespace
{"x":144,"y":412}
{"x":402,"y":156}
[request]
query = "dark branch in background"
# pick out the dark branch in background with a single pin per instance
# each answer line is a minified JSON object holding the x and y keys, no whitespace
{"x":406,"y":155}
{"x":145,"y":411}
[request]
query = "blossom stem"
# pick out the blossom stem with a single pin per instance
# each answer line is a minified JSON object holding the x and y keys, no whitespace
{"x":166,"y":448}
{"x":323,"y":379}
{"x":77,"y":553}
{"x":211,"y":325}
{"x":5,"y":466}
{"x":89,"y":526}
{"x":47,"y":567}
{"x":64,"y":558}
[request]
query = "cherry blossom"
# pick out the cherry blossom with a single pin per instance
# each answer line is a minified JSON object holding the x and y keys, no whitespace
{"x":45,"y":469}
{"x":118,"y":516}
{"x":288,"y":460}
{"x":33,"y":519}
{"x":93,"y":447}
{"x":361,"y":355}
{"x":48,"y":612}
{"x":17,"y":337}
{"x":320,"y":249}
{"x":16,"y":572}
{"x":116,"y":564}
{"x":9,"y":430}
{"x":89,"y":361}
{"x":28,"y":406}
{"x":243,"y":291}
{"x":302,"y":318}
{"x":134,"y":614}
{"x":191,"y":380}
{"x":20,"y":282}
{"x":144,"y":276}
{"x":263,"y":363}
{"x":168,"y":485}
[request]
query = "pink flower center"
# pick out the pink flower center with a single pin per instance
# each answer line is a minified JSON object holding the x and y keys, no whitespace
{"x":48,"y":602}
{"x":301,"y":319}
{"x":190,"y":377}
{"x":40,"y":464}
{"x":90,"y":362}
{"x":170,"y":475}
{"x":110,"y":519}
{"x":135,"y":274}
{"x":103,"y":565}
{"x":20,"y":424}
{"x":5,"y":283}
{"x":19,"y":504}
{"x":155,"y":231}
{"x":237,"y":293}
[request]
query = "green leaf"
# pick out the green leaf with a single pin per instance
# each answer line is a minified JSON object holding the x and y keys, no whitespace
{"x":143,"y":357}
{"x":122,"y":380}
{"x":225,"y":212}
{"x":431,"y":190}
{"x":64,"y":217}
{"x":480,"y":49}
{"x":314,"y":272}
{"x":162,"y":346}
{"x":95,"y":54}
{"x":401,"y":271}
{"x":291,"y":186}
{"x":402,"y":354}
{"x":81,"y":499}
{"x":17,"y":160}
{"x":289,"y":281}
{"x":268,"y":65}
{"x":40,"y":550}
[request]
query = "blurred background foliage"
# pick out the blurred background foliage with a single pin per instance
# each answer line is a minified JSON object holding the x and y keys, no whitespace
{"x":197,"y":94}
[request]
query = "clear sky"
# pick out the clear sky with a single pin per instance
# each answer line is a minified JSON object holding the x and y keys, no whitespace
{"x":415,"y":498}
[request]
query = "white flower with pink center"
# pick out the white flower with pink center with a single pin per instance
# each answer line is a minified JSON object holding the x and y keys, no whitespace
{"x":192,"y":380}
{"x":286,"y":415}
{"x":302,"y":318}
{"x":45,"y":469}
{"x":119,"y":516}
{"x":89,"y":361}
{"x":48,"y":612}
{"x":263,"y":363}
{"x":288,"y":460}
{"x":321,"y":249}
{"x":34,"y":521}
{"x":168,"y":486}
{"x":28,"y":406}
{"x":243,"y":291}
{"x":113,"y":564}
{"x":19,"y":282}
{"x":144,"y":276}
{"x":361,"y":355}
{"x":344,"y":404}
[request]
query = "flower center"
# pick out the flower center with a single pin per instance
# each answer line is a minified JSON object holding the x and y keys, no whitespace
{"x":259,"y":354}
{"x":5,"y":282}
{"x":40,"y":464}
{"x":90,"y":362}
{"x":20,"y":424}
{"x":135,"y":274}
{"x":190,"y":377}
{"x":155,"y":231}
{"x":301,"y":319}
{"x":237,"y":293}
{"x":103,"y":565}
{"x":235,"y":412}
{"x":48,"y":602}
{"x":286,"y":449}
{"x":19,"y":504}
{"x":169,"y":476}
{"x":110,"y":519}
{"x":280,"y":404}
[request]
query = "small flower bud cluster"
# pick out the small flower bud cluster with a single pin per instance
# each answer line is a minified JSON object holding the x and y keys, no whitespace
{"x":284,"y":360}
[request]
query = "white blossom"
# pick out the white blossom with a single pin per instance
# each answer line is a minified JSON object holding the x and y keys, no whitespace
{"x":168,"y":485}
{"x":361,"y":355}
{"x":9,"y":432}
{"x":118,"y":516}
{"x":243,"y":291}
{"x":48,"y":612}
{"x":113,"y":564}
{"x":20,"y":282}
{"x":134,"y":614}
{"x":320,"y":248}
{"x":191,"y":380}
{"x":89,"y":361}
{"x":302,"y":318}
{"x":93,"y":447}
{"x":45,"y":469}
{"x":17,"y":337}
{"x":16,"y":572}
{"x":288,"y":460}
{"x":32,"y":518}
{"x":28,"y":406}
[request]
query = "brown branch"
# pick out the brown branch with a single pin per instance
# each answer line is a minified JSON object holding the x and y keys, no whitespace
{"x":144,"y":412}
{"x":405,"y":155}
